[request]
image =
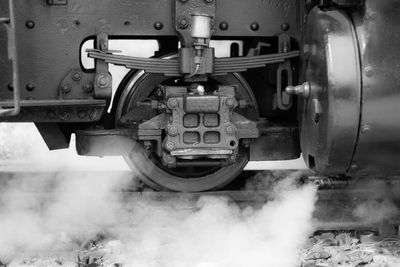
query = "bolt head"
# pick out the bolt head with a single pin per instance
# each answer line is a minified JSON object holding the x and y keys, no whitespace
{"x":170,"y":146}
{"x":230,"y":102}
{"x":66,"y":88}
{"x":103,"y":81}
{"x":285,"y":27}
{"x":82,"y":114}
{"x":173,"y":103}
{"x":230,"y":130}
{"x":65,"y":116}
{"x":183,"y":23}
{"x":254,"y":26}
{"x":30,"y":24}
{"x":172,"y":131}
{"x":224,"y":26}
{"x":365,"y":128}
{"x":369,"y":71}
{"x":158,"y":25}
{"x":88,"y":87}
{"x":30,"y":87}
{"x":76,"y":76}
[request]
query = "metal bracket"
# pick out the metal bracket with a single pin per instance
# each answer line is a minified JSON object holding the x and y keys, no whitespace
{"x":284,"y":100}
{"x":184,"y":10}
{"x":9,"y":23}
{"x":103,"y":79}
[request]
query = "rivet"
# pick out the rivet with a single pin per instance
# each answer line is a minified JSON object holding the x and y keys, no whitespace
{"x":66,"y":88}
{"x":30,"y":24}
{"x":76,"y":76}
{"x":369,"y":71}
{"x":158,"y":25}
{"x":30,"y":87}
{"x":224,"y":26}
{"x":82,"y":114}
{"x":285,"y":27}
{"x":254,"y":26}
{"x":51,"y":114}
{"x":365,"y":128}
{"x":65,"y":116}
{"x":88,"y":87}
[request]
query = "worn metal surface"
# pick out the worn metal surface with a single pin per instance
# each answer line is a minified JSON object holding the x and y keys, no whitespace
{"x":377,"y":27}
{"x":330,"y":114}
{"x":59,"y":30}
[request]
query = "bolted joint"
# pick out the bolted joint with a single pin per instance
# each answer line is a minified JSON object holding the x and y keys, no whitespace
{"x":66,"y":88}
{"x":103,"y":81}
{"x":170,"y":146}
{"x":300,"y":90}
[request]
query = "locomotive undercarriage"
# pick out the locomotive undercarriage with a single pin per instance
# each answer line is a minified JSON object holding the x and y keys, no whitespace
{"x":311,"y":77}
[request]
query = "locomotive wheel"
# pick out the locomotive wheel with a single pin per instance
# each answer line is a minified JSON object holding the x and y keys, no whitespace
{"x":137,"y":86}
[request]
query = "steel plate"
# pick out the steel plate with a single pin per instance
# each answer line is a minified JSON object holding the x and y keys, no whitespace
{"x":378,"y":29}
{"x":330,"y":115}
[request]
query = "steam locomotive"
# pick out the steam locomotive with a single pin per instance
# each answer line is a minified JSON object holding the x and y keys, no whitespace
{"x":317,"y":78}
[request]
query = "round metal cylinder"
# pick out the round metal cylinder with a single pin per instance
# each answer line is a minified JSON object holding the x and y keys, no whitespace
{"x":201,"y":26}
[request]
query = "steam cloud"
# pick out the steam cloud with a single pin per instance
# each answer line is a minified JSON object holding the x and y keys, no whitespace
{"x":212,"y":231}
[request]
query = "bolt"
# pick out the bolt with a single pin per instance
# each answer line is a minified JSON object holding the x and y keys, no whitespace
{"x":369,"y":71}
{"x":30,"y":24}
{"x":82,"y":114}
{"x":172,"y":131}
{"x":224,"y":26}
{"x":93,"y":115}
{"x":170,"y":146}
{"x":230,"y":102}
{"x":285,"y":27}
{"x":51,"y":114}
{"x":65,"y":116}
{"x":365,"y":128}
{"x":66,"y":88}
{"x":229,"y":130}
{"x":173,"y":103}
{"x":30,"y":87}
{"x":183,"y":23}
{"x":148,"y":145}
{"x":88,"y":87}
{"x":10,"y":87}
{"x":76,"y":76}
{"x":103,"y":81}
{"x":158,"y":25}
{"x":303,"y":90}
{"x":254,"y":26}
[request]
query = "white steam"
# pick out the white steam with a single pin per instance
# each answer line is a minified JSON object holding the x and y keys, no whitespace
{"x":57,"y":213}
